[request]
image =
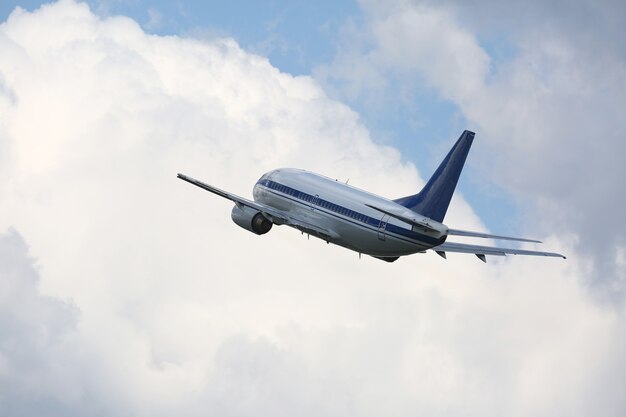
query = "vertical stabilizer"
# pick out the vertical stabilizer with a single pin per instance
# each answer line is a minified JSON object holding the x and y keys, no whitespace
{"x":434,"y":199}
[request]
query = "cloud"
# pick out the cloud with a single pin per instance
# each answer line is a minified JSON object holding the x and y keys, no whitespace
{"x":175,"y":310}
{"x":36,"y":334}
{"x":546,"y":109}
{"x":412,"y":40}
{"x":155,"y":19}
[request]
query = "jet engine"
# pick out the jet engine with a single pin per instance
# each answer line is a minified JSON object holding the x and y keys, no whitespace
{"x":251,"y":219}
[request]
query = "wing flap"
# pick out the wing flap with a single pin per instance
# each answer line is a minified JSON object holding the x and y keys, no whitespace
{"x":324,"y":234}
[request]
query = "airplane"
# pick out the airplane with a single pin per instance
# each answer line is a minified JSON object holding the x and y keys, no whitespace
{"x":366,"y":223}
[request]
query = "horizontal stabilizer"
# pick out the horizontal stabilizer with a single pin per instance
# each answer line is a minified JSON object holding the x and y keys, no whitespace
{"x":489,"y":250}
{"x":467,"y":233}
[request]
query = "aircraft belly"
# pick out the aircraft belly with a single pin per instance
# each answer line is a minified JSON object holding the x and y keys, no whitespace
{"x":367,"y":241}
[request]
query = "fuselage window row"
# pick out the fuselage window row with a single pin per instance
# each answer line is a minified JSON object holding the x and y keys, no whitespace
{"x":321,"y":203}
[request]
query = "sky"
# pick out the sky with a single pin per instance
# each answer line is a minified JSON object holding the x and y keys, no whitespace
{"x":126,"y":292}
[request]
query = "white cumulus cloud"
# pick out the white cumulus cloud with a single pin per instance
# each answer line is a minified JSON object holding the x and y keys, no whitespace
{"x":146,"y":300}
{"x":549,"y":111}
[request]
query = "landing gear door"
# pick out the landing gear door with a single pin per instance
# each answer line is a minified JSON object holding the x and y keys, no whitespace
{"x":382,"y":227}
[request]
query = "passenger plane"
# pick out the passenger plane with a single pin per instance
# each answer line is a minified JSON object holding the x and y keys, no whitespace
{"x":361,"y":221}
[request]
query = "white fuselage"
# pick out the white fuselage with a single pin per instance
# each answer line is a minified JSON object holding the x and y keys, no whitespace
{"x":343,"y":211}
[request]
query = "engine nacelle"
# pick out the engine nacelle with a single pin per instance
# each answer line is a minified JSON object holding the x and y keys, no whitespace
{"x":251,"y":219}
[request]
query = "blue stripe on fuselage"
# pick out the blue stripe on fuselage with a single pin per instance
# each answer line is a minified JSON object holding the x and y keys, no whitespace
{"x":345,"y":213}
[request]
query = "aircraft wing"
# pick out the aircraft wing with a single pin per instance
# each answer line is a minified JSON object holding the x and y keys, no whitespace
{"x":276,"y":216}
{"x":481,"y":251}
{"x":269,"y":212}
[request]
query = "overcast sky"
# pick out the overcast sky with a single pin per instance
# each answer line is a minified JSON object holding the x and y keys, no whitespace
{"x":124,"y":291}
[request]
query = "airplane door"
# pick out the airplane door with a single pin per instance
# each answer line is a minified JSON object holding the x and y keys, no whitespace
{"x":382,"y":227}
{"x":314,"y":201}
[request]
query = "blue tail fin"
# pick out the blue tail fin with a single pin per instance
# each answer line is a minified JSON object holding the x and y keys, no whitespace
{"x":434,"y":199}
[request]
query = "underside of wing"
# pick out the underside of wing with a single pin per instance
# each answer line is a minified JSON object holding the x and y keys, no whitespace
{"x":481,"y":251}
{"x":311,"y":229}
